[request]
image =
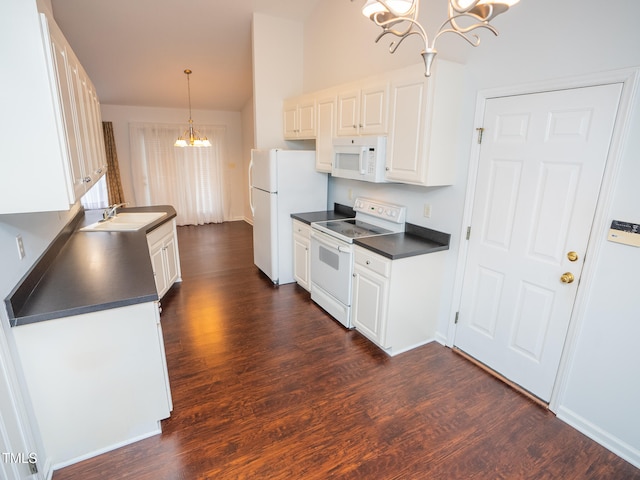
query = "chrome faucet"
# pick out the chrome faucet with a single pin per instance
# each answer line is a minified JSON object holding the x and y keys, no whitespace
{"x":110,"y":211}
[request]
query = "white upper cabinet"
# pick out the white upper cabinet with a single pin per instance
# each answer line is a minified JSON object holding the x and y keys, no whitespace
{"x":326,"y":121}
{"x":299,"y":119}
{"x":424,"y":117}
{"x":420,"y":116}
{"x":45,"y":164}
{"x":362,"y":110}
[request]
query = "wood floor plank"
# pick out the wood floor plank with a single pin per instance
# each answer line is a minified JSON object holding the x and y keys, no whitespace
{"x":267,"y":386}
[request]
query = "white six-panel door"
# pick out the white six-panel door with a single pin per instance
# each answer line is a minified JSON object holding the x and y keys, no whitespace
{"x":539,"y":174}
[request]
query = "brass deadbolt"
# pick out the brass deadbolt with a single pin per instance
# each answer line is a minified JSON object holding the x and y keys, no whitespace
{"x":572,"y":256}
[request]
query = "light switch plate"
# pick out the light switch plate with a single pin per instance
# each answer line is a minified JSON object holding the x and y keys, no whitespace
{"x":624,"y":232}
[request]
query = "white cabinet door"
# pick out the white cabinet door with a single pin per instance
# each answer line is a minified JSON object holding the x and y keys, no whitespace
{"x":423,"y":122}
{"x":408,"y":110}
{"x":301,"y":255}
{"x":363,"y":110}
{"x":369,"y":303}
{"x":299,"y":118}
{"x":61,"y":55}
{"x":373,"y":109}
{"x":156,"y":252}
{"x":165,"y":258}
{"x":171,"y":258}
{"x":326,"y":114}
{"x":348,"y":113}
{"x":307,"y":118}
{"x":290,"y":118}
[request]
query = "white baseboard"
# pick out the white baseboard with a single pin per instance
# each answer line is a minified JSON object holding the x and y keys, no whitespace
{"x":441,"y":339}
{"x":614,"y":444}
{"x":115,"y":446}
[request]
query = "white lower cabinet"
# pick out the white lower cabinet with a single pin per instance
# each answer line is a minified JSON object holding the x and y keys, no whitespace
{"x":301,"y":256}
{"x":165,"y":259}
{"x":395,"y":303}
{"x":96,"y":381}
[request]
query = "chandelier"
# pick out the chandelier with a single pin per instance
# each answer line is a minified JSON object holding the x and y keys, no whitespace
{"x":191,"y":137}
{"x":400,"y":18}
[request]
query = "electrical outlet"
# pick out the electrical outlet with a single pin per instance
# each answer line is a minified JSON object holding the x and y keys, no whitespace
{"x":427,"y":210}
{"x":20,"y":245}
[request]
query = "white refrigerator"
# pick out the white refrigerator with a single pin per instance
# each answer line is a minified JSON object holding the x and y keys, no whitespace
{"x":281,"y":182}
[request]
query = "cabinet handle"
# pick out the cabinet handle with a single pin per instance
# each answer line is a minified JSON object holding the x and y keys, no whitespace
{"x":99,"y":171}
{"x":87,"y":179}
{"x":368,"y":262}
{"x":387,"y":169}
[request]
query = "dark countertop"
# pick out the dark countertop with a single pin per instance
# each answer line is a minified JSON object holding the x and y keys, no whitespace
{"x":87,"y":271}
{"x":339,"y":211}
{"x":415,"y":240}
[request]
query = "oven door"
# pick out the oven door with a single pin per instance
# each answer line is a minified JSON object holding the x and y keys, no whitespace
{"x":332,"y":266}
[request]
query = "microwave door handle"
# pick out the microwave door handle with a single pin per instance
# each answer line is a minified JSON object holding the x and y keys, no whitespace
{"x":363,"y":153}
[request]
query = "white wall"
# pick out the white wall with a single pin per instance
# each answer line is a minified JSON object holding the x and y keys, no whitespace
{"x":277,"y":74}
{"x":539,"y":40}
{"x":121,"y":116}
{"x":247,"y":145}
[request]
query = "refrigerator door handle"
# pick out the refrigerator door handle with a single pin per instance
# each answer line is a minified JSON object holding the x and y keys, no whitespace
{"x":253,"y":210}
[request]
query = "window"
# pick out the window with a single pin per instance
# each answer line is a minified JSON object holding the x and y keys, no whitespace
{"x":191,"y":179}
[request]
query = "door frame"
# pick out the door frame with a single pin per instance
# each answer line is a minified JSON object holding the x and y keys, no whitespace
{"x":630,"y":79}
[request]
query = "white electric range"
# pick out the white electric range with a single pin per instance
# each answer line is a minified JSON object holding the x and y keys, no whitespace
{"x":332,"y":252}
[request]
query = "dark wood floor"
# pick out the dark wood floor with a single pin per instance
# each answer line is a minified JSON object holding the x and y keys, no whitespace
{"x":267,"y":386}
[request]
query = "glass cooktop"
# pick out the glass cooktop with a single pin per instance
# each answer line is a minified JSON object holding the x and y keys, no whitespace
{"x":351,"y":228}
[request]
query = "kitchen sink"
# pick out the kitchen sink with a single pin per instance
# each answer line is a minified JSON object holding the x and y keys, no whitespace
{"x":124,"y":222}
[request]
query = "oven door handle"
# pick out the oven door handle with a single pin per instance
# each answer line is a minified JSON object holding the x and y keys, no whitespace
{"x":329,"y":242}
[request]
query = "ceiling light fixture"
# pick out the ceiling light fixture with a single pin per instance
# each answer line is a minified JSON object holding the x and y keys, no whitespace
{"x":400,"y":18}
{"x":191,"y":137}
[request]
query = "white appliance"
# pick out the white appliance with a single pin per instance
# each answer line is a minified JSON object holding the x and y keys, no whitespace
{"x":332,"y":252}
{"x":281,"y":182}
{"x":360,"y":158}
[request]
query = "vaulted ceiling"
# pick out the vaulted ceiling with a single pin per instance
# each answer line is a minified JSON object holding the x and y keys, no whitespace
{"x":135,"y":51}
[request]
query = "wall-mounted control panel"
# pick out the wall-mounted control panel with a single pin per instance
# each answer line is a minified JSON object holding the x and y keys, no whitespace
{"x":624,"y":232}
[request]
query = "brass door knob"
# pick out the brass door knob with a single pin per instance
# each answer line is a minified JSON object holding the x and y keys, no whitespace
{"x":567,"y":277}
{"x":572,"y":256}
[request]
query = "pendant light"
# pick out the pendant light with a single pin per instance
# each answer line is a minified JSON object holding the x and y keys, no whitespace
{"x":191,"y":137}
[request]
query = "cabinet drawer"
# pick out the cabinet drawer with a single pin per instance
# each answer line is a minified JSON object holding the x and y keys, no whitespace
{"x":159,"y":233}
{"x":302,"y":229}
{"x":373,"y":261}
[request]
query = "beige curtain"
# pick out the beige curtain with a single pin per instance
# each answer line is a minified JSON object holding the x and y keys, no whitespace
{"x":114,"y":184}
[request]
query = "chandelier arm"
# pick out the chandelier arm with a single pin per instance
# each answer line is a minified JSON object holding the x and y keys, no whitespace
{"x":403,"y":34}
{"x":455,"y":27}
{"x":393,"y":46}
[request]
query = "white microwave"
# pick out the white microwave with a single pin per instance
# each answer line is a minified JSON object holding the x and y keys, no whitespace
{"x":359,"y":158}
